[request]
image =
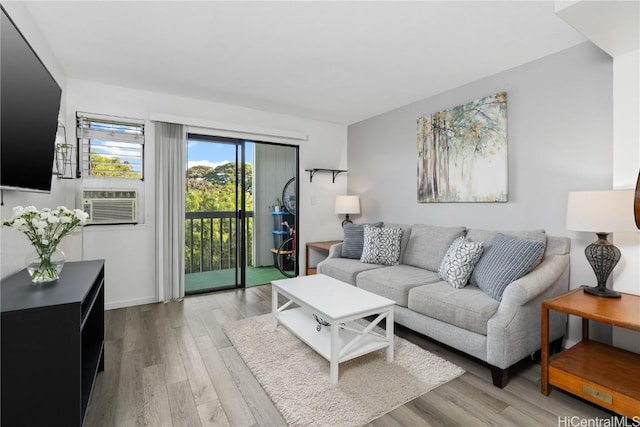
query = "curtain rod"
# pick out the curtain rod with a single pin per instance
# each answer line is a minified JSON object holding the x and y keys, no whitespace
{"x":228,"y":127}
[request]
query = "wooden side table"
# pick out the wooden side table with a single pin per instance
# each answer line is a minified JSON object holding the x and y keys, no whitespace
{"x":599,"y":373}
{"x":320,"y":247}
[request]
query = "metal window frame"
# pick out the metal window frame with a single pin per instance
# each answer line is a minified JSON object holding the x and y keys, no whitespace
{"x":85,"y":134}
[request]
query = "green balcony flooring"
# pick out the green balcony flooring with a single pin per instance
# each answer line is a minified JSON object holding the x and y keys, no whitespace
{"x":218,"y":279}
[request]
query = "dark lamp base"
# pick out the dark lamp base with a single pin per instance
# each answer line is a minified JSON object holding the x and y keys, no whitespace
{"x":602,"y":292}
{"x":603,"y":257}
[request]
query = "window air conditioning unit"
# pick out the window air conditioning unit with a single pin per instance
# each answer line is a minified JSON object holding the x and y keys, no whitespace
{"x":110,"y":206}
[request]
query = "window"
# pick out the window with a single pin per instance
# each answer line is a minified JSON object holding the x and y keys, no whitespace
{"x":111,"y":146}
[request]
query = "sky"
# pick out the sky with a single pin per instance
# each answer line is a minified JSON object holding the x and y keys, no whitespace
{"x":214,"y":154}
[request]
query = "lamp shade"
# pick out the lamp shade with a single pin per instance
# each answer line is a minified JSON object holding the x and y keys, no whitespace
{"x":347,"y":205}
{"x":600,"y":211}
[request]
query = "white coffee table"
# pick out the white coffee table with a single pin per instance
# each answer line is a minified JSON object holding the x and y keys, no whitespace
{"x":337,"y":303}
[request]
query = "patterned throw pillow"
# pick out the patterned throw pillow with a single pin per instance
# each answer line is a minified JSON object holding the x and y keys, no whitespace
{"x":354,"y":239}
{"x":457,"y":264}
{"x":507,"y":259}
{"x":381,"y":245}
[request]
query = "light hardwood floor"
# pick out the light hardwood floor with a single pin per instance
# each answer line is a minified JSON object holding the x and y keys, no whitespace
{"x":171,"y":365}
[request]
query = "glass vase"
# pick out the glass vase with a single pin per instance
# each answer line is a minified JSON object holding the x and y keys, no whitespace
{"x":45,"y":265}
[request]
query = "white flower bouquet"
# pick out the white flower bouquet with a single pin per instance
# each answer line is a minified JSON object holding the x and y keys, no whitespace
{"x":45,"y":229}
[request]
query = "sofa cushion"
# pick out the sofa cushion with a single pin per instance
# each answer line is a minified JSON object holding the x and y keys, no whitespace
{"x":505,"y":260}
{"x":468,"y":308}
{"x":395,"y":282}
{"x":485,"y":236}
{"x":344,"y":269}
{"x":557,"y":246}
{"x":457,"y":264}
{"x":354,"y":239}
{"x":381,"y":245}
{"x":428,"y":245}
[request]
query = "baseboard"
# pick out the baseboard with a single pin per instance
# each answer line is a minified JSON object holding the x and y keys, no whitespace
{"x":129,"y":303}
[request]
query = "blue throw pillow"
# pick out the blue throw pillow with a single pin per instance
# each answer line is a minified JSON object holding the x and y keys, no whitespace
{"x":354,"y":239}
{"x":507,"y":259}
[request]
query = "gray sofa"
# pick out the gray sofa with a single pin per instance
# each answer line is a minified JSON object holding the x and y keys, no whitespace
{"x":499,"y":333}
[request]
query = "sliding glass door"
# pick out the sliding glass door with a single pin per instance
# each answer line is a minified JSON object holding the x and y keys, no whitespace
{"x":233,"y":188}
{"x":216,"y":202}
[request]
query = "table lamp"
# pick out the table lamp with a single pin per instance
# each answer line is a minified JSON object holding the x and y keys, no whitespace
{"x":347,"y":205}
{"x":601,"y":212}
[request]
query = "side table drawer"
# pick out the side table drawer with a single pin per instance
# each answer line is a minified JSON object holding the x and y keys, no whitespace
{"x":609,"y":382}
{"x":587,"y":390}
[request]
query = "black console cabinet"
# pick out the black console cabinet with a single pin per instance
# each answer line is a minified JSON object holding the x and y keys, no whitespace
{"x":52,"y":345}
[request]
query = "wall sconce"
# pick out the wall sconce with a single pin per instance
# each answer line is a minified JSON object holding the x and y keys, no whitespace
{"x":347,"y":205}
{"x":601,"y":212}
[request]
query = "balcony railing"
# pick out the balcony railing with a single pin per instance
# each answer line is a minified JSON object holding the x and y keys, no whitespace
{"x":211,"y":240}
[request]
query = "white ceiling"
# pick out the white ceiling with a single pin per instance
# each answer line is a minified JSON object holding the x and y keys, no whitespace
{"x":335,"y":61}
{"x":614,"y":26}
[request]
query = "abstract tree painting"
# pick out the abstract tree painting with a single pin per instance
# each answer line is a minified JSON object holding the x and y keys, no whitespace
{"x":462,"y":152}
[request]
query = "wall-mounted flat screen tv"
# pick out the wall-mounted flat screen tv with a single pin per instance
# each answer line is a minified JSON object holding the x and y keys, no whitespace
{"x":29,"y":107}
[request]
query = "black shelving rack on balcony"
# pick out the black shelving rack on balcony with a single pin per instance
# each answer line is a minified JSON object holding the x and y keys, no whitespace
{"x":280,"y":231}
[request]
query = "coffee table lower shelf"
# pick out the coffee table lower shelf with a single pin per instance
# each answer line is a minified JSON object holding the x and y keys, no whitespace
{"x":303,"y":325}
{"x":602,"y":374}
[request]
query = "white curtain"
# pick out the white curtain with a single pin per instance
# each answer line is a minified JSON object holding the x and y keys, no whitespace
{"x":170,"y":172}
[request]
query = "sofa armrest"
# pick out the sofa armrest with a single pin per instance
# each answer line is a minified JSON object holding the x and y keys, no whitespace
{"x":335,"y":251}
{"x":514,"y":331}
{"x":528,"y":287}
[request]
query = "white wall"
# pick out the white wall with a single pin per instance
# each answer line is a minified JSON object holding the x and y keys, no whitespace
{"x":614,"y":26}
{"x":626,"y":164}
{"x":559,"y":140}
{"x":129,"y":250}
{"x":626,"y":159}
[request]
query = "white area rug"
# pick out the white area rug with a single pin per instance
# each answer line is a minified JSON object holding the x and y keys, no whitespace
{"x":297,"y":378}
